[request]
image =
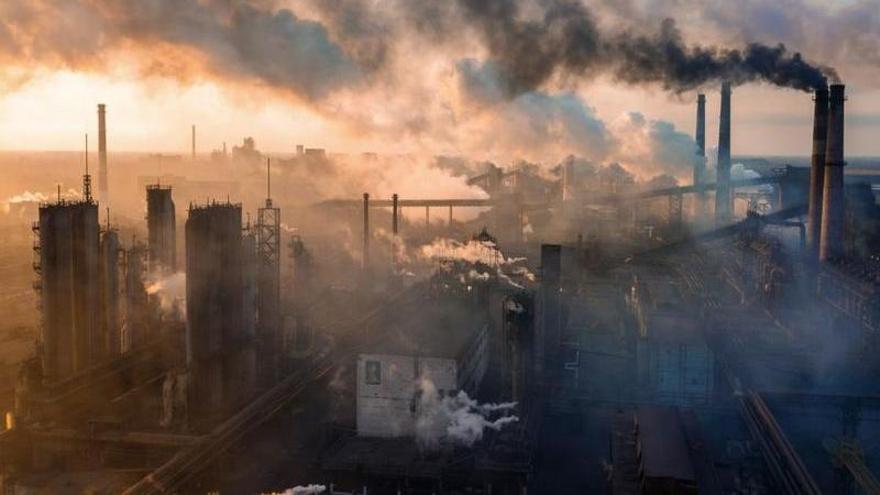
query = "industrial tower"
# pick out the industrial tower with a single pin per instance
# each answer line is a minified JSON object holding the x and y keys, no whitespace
{"x":269,"y":275}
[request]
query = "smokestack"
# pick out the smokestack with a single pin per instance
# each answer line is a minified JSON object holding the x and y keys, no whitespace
{"x":817,"y":171}
{"x":723,"y":198}
{"x":394,"y":211}
{"x":366,"y":259}
{"x":103,"y":186}
{"x":700,"y":163}
{"x":831,"y":240}
{"x":194,"y":142}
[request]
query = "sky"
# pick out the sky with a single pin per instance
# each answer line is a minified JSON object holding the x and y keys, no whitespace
{"x":488,"y":79}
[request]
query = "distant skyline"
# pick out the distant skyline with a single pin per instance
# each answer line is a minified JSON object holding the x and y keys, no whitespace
{"x":361,"y":90}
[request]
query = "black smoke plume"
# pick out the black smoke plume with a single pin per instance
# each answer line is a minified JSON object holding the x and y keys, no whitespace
{"x":565,"y":38}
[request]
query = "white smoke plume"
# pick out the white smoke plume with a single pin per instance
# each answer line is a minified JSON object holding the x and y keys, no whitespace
{"x":27,"y":197}
{"x":472,"y":251}
{"x":171,"y":290}
{"x":457,"y":420}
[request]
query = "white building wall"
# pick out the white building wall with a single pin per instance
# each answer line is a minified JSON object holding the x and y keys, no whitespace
{"x":388,"y":408}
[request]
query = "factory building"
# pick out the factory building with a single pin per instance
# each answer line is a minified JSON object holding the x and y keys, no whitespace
{"x":69,"y":262}
{"x":675,"y":363}
{"x":161,"y":229}
{"x":215,"y":309}
{"x":447,"y":347}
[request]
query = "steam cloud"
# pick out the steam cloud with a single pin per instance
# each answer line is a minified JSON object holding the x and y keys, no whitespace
{"x":171,"y":290}
{"x":458,"y":420}
{"x":233,"y":40}
{"x":529,"y":41}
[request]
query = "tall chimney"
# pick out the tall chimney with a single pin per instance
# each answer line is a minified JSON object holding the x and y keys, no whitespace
{"x":831,"y":240}
{"x":701,"y":127}
{"x":366,"y":258}
{"x":394,"y":211}
{"x":817,"y":171}
{"x":194,"y":142}
{"x":700,"y":159}
{"x":103,"y":187}
{"x":723,"y":198}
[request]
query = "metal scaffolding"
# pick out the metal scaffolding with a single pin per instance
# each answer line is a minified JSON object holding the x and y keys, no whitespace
{"x":269,"y":275}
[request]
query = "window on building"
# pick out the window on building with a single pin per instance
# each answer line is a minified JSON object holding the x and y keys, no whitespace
{"x":373,"y":373}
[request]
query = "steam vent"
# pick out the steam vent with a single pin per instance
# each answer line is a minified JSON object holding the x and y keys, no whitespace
{"x":497,"y":247}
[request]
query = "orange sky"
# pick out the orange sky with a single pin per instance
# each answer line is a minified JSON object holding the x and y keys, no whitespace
{"x":203,"y":69}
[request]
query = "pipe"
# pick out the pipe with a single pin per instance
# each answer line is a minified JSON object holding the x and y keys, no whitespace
{"x":831,"y":236}
{"x":366,"y":258}
{"x":103,"y":186}
{"x":394,"y":212}
{"x":817,"y":171}
{"x":723,"y":199}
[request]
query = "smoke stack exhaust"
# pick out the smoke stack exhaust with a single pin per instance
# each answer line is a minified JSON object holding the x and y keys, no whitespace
{"x":817,"y":172}
{"x":723,"y":198}
{"x":103,"y":186}
{"x":831,"y":240}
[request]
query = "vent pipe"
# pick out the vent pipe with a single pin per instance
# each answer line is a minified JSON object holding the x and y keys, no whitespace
{"x":831,"y":240}
{"x":817,"y":171}
{"x":723,"y":198}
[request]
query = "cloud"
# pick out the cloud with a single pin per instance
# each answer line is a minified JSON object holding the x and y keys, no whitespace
{"x":177,"y":38}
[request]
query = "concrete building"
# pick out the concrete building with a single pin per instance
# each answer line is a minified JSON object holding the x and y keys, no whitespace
{"x":69,"y":283}
{"x":216,"y":320}
{"x":162,"y":228}
{"x":446,"y":345}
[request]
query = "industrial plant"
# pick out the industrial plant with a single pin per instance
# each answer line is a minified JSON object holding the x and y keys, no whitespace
{"x":314,"y":319}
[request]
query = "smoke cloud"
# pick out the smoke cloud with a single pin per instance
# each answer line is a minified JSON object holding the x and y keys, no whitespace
{"x":456,"y":420}
{"x":563,"y":38}
{"x":171,"y":290}
{"x":177,"y":38}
